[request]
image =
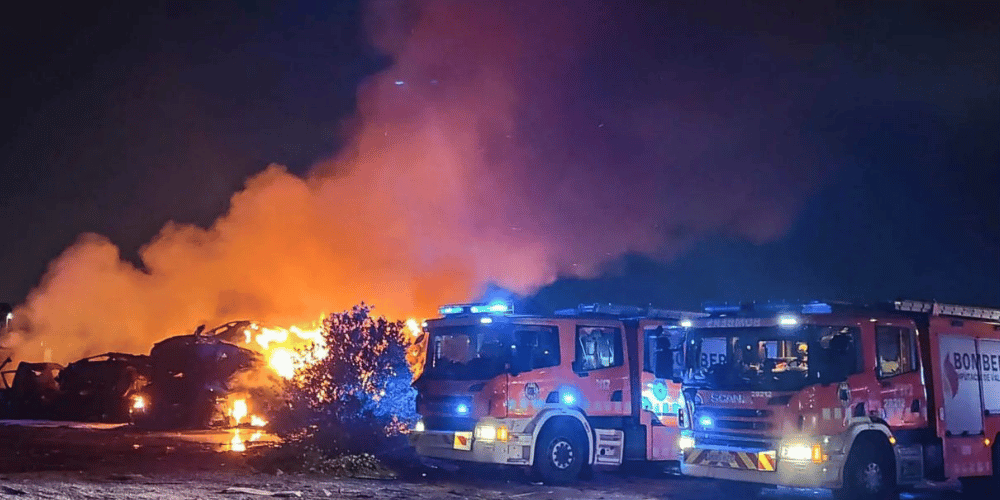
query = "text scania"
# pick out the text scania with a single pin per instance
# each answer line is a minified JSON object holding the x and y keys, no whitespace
{"x":728,"y":398}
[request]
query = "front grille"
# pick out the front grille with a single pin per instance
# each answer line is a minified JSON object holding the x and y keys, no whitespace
{"x":710,"y":440}
{"x":732,"y":419}
{"x":442,"y":404}
{"x":742,"y":425}
{"x":445,"y":423}
{"x":735,"y":412}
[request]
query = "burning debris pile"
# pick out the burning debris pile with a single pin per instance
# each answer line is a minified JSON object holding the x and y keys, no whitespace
{"x":351,"y":369}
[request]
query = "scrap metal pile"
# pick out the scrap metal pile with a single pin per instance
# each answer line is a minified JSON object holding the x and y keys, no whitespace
{"x":184,"y":382}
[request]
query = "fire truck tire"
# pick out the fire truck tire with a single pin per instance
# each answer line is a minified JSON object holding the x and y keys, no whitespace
{"x":869,"y":473}
{"x":560,"y":452}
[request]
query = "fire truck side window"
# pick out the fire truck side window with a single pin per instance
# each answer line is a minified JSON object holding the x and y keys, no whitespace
{"x":896,"y":350}
{"x":654,"y":340}
{"x":841,"y":355}
{"x":598,"y":347}
{"x":540,"y":345}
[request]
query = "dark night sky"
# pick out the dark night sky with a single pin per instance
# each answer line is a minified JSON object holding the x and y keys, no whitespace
{"x":122,"y":118}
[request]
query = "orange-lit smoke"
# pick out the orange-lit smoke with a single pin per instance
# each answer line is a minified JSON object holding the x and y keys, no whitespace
{"x":481,"y":155}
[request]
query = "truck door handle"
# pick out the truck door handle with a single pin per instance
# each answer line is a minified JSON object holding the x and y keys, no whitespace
{"x":915,"y":406}
{"x":885,"y":383}
{"x":582,"y":374}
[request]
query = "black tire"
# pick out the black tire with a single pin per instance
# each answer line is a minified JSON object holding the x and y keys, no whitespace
{"x":560,"y":453}
{"x":869,"y":473}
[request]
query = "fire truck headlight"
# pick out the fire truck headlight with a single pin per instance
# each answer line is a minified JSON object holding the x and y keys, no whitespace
{"x":800,"y":451}
{"x":486,"y":433}
{"x":685,"y":442}
{"x":419,"y":427}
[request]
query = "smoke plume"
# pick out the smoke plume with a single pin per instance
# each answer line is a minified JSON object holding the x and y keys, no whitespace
{"x":507,"y":143}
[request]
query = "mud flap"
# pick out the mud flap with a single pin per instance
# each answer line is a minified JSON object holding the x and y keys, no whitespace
{"x":609,"y":446}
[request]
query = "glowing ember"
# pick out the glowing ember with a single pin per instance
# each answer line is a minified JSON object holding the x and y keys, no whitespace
{"x":239,"y":410}
{"x":257,"y":422}
{"x":236,"y":444}
{"x":138,"y":403}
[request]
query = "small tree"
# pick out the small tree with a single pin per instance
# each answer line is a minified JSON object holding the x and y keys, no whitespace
{"x":357,"y":398}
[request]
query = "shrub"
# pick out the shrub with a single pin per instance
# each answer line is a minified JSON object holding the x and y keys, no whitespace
{"x":356,"y":399}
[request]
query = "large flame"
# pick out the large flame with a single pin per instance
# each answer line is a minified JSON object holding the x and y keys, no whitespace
{"x":239,"y":410}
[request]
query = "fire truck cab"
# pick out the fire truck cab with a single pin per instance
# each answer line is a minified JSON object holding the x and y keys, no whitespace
{"x":557,"y":394}
{"x":863,"y":400}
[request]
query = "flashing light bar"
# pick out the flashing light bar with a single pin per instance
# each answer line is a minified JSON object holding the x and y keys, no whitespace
{"x":490,"y":308}
{"x":627,"y":311}
{"x":493,"y":307}
{"x":813,"y":307}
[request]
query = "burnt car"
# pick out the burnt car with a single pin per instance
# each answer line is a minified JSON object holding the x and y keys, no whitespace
{"x":105,"y":388}
{"x":31,"y":392}
{"x":190,"y":375}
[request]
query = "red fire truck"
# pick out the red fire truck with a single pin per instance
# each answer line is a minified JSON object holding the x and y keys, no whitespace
{"x":557,"y":394}
{"x":861,"y":400}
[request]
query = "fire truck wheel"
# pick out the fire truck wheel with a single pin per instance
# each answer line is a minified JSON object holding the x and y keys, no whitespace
{"x":560,"y":453}
{"x":869,"y":473}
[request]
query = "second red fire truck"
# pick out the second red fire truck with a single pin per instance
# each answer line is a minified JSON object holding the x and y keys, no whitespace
{"x":861,"y":400}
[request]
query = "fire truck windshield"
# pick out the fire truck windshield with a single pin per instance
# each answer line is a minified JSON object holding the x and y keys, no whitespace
{"x":473,"y":352}
{"x":767,"y":358}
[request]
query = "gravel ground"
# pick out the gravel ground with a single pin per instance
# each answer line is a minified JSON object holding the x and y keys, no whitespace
{"x":55,"y":461}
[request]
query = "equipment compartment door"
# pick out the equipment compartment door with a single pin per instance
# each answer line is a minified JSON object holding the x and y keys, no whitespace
{"x":962,"y":403}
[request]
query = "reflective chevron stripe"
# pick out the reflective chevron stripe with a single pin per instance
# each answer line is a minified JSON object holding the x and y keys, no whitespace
{"x":763,"y":461}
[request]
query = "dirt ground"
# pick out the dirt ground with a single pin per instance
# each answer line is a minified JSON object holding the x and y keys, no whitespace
{"x":55,"y":461}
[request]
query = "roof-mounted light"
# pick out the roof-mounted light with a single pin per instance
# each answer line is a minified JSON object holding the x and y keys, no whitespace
{"x":446,"y":310}
{"x":492,"y":307}
{"x":816,"y":307}
{"x":788,"y":321}
{"x":686,"y":323}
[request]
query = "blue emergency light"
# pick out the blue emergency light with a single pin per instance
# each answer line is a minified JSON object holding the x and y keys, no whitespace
{"x":490,"y":308}
{"x":493,"y":307}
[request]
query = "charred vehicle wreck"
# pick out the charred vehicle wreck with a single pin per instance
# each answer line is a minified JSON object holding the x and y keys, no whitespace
{"x":180,"y":384}
{"x":191,"y":375}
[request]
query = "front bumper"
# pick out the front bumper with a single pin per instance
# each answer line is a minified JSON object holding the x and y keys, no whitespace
{"x":517,"y":450}
{"x":787,"y":472}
